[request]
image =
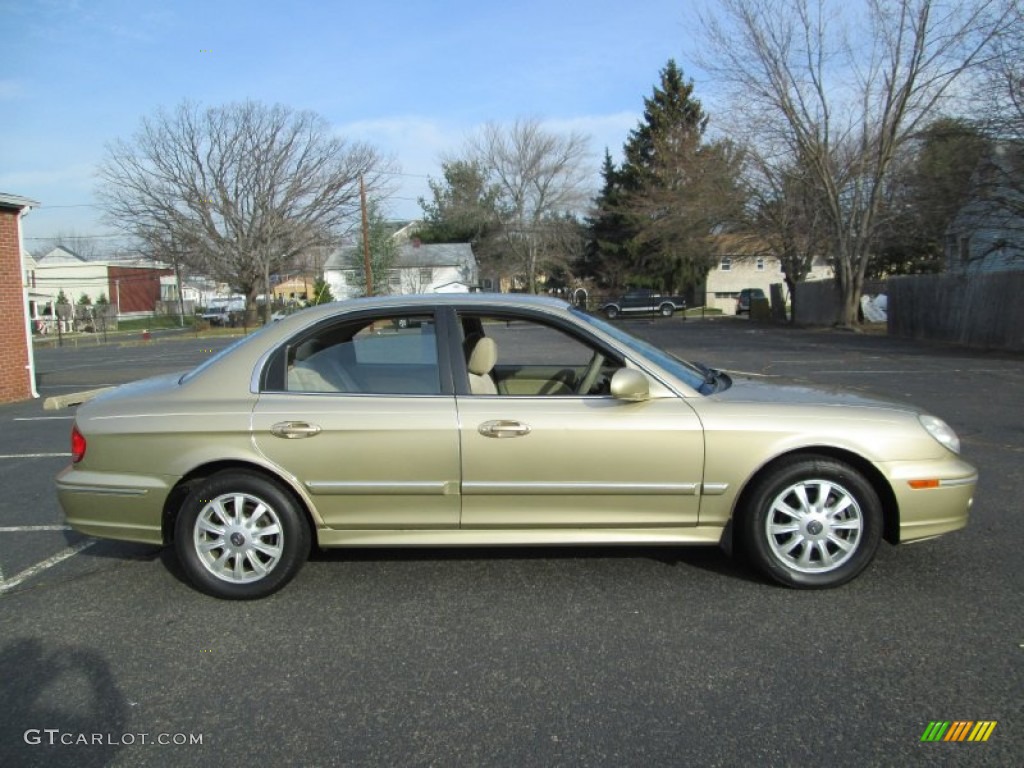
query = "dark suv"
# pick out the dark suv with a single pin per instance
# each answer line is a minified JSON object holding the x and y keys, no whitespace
{"x":743,"y":302}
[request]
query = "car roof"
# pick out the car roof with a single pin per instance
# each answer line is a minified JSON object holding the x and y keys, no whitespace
{"x":426,"y":300}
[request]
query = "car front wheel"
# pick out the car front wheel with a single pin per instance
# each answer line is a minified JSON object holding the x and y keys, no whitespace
{"x":240,"y":536}
{"x":667,"y":310}
{"x":812,"y":523}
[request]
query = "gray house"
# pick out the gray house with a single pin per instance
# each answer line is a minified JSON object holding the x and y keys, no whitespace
{"x":418,"y":268}
{"x":987,"y":233}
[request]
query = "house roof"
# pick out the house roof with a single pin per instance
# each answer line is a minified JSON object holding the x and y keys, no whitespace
{"x":59,"y":255}
{"x":16,"y":201}
{"x":412,"y":255}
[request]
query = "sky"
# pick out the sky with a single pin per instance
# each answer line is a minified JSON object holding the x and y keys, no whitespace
{"x":414,"y":78}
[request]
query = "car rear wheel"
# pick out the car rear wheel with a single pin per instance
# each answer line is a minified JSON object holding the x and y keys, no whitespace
{"x":812,"y":523}
{"x":611,"y":312}
{"x":240,"y":536}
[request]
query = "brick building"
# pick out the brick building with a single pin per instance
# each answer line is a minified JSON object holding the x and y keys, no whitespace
{"x":17,"y":374}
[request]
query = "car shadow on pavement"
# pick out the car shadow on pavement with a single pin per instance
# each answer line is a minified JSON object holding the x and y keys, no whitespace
{"x":711,"y":559}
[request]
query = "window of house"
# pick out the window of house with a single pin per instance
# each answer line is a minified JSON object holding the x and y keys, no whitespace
{"x":760,"y":264}
{"x":726,"y":264}
{"x":394,"y":279}
{"x":426,"y":275}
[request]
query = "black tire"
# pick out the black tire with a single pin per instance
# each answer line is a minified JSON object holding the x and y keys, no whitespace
{"x":611,"y":312}
{"x":240,"y":536}
{"x":830,"y":542}
{"x":666,"y":310}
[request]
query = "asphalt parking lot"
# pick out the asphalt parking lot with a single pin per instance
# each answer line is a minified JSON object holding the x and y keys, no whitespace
{"x":530,"y":657}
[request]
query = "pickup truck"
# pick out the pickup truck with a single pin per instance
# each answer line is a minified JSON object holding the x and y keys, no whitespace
{"x":643,"y":301}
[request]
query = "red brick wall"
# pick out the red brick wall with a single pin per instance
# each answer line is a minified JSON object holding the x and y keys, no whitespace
{"x":14,"y":375}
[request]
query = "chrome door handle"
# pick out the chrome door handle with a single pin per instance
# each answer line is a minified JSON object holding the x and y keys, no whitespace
{"x":503,"y":429}
{"x":293,"y":429}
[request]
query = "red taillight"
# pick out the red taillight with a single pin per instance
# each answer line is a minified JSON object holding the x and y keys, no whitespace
{"x":77,"y":445}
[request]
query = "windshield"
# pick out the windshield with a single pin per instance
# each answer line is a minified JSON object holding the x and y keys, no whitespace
{"x":692,"y":375}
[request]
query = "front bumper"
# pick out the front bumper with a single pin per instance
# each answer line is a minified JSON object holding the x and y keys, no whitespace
{"x":940,"y":503}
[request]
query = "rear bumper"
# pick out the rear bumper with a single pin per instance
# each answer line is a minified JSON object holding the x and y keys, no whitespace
{"x":114,"y":506}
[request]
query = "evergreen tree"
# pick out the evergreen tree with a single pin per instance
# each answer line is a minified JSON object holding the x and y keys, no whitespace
{"x":606,"y":258}
{"x":462,"y":208}
{"x":321,"y":292}
{"x":677,"y":188}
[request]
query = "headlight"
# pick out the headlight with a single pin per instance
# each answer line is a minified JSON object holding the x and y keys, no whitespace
{"x":941,"y":431}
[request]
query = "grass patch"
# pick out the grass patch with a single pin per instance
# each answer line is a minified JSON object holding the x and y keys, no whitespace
{"x":152,"y":323}
{"x":701,"y":311}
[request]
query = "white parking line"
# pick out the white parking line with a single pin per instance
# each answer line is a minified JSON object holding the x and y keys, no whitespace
{"x":43,"y":418}
{"x":30,"y":528}
{"x":893,"y":371}
{"x":33,"y":455}
{"x":49,"y":562}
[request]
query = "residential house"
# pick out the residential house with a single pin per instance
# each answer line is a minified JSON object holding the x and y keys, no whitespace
{"x":987,"y":233}
{"x":293,"y":290}
{"x":747,"y":262}
{"x":418,"y":268}
{"x":132,"y":286}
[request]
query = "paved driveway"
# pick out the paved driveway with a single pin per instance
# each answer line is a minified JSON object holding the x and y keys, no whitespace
{"x":524,"y":657}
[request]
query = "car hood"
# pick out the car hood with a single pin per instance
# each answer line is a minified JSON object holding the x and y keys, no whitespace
{"x":748,"y":389}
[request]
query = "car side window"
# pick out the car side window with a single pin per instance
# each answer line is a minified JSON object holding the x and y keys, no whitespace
{"x":524,"y":357}
{"x":379,"y":356}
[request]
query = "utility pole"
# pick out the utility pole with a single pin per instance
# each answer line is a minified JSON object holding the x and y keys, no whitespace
{"x":366,"y":239}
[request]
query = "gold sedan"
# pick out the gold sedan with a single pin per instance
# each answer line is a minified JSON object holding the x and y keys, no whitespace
{"x":477,"y":420}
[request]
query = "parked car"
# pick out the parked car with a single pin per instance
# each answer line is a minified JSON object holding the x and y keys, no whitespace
{"x":217,"y":315}
{"x":745,"y":297}
{"x":497,"y":420}
{"x":643,"y":301}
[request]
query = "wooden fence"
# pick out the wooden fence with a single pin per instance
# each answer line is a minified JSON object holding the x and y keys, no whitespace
{"x":984,"y":311}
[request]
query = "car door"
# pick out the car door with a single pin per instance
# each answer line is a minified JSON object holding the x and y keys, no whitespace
{"x":569,"y":458}
{"x":355,"y":411}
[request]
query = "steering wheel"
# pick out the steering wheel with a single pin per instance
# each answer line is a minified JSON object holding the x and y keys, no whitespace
{"x":589,"y":378}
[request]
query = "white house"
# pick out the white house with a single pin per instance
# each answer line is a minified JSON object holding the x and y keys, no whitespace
{"x":744,"y":263}
{"x":418,"y":268}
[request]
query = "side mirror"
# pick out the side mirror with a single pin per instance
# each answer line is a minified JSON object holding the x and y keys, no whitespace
{"x":630,"y":385}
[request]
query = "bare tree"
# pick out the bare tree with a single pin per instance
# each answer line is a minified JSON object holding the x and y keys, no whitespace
{"x":787,"y":219}
{"x":843,"y":102}
{"x":1000,"y":90}
{"x":83,"y":246}
{"x":539,"y":176}
{"x":236,"y":191}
